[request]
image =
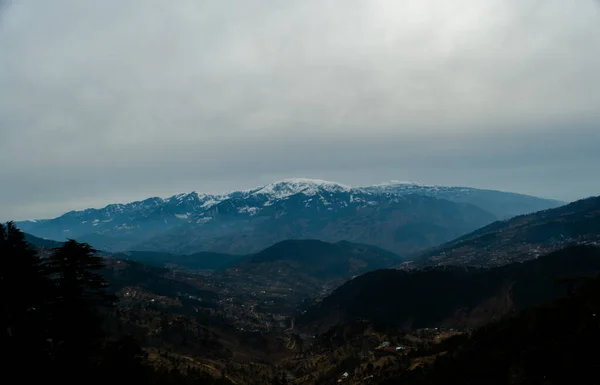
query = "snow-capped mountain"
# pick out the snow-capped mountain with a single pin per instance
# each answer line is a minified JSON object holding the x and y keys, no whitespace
{"x":403,"y":217}
{"x":309,"y":187}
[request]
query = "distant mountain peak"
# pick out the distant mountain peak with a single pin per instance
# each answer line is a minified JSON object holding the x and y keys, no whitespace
{"x":195,"y":199}
{"x":181,"y":196}
{"x":188,"y":196}
{"x":292,"y":186}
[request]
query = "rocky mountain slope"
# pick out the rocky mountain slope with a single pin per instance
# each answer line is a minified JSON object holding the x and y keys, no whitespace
{"x":402,"y":218}
{"x":451,"y":297}
{"x":523,"y":237}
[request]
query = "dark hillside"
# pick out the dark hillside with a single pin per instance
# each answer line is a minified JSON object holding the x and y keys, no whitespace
{"x":320,"y":259}
{"x":523,"y":237}
{"x":550,"y":344}
{"x":452,"y":296}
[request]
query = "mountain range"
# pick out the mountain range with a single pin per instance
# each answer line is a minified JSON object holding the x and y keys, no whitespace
{"x":402,"y":217}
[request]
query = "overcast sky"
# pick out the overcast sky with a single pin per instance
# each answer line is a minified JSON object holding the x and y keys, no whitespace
{"x":118,"y":100}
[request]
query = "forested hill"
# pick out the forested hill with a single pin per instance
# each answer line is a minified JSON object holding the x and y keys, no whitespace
{"x":316,"y":259}
{"x":523,"y":237}
{"x":451,"y":296}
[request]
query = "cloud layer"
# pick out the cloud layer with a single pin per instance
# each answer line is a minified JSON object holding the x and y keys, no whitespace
{"x":120,"y":100}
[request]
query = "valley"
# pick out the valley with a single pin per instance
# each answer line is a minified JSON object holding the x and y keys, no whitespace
{"x":379,"y":332}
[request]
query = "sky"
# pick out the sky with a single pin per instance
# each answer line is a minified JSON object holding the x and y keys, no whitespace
{"x":120,"y":100}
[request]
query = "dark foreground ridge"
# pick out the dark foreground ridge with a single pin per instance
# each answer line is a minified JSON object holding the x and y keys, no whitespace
{"x":550,"y":344}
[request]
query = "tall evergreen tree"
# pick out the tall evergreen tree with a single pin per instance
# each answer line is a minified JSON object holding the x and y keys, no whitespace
{"x":23,"y":287}
{"x":79,"y":298}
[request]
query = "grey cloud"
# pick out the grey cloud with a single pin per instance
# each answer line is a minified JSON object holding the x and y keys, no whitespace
{"x":119,"y":100}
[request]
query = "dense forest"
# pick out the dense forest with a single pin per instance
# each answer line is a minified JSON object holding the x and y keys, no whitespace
{"x":55,"y":311}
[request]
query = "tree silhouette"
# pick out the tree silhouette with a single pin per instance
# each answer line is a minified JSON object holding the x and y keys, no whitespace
{"x":79,"y":297}
{"x":23,"y":286}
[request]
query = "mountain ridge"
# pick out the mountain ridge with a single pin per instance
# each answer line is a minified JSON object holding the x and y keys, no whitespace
{"x":206,"y":222}
{"x":503,"y":204}
{"x":302,"y":185}
{"x":521,"y":238}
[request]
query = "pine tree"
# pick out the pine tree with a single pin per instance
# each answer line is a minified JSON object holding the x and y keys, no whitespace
{"x":79,"y":297}
{"x":22,"y":295}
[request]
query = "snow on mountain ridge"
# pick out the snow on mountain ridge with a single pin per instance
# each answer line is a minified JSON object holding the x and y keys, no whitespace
{"x":193,"y":205}
{"x":272,"y":192}
{"x":395,"y":182}
{"x":287,"y":187}
{"x":188,"y":196}
{"x":402,"y":186}
{"x":122,"y":225}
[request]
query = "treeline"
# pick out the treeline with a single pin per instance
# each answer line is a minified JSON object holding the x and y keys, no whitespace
{"x":54,"y":311}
